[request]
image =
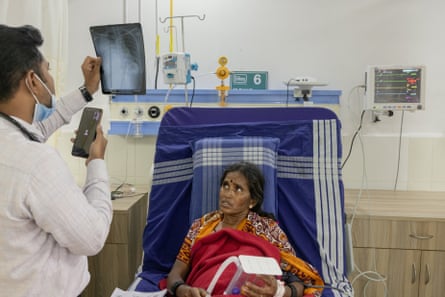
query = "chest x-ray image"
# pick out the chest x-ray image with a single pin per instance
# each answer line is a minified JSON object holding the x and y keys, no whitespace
{"x":121,"y":47}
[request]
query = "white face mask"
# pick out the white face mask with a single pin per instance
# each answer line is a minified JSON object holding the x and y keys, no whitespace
{"x":42,"y":112}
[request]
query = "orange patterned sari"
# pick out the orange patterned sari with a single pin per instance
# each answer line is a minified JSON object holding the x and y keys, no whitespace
{"x":261,"y":227}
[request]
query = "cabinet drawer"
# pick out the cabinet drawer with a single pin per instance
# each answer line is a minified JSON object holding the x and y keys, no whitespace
{"x":402,"y":234}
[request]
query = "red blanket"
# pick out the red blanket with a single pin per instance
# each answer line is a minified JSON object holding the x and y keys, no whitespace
{"x":211,"y":251}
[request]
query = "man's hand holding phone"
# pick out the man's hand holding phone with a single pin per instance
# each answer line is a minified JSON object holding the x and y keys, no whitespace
{"x":90,"y":142}
{"x":98,"y":146}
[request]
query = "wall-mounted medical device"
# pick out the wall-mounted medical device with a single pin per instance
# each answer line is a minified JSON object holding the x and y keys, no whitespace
{"x":304,"y":86}
{"x":395,"y":87}
{"x":177,"y":68}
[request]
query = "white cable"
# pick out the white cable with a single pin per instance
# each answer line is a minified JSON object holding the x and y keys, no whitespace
{"x":366,"y":274}
{"x":156,"y":18}
{"x":357,"y":87}
{"x":398,"y":151}
{"x":370,"y":276}
{"x":139,"y":11}
{"x":204,"y":74}
{"x":364,"y":171}
{"x":280,"y":289}
{"x":122,"y":183}
{"x":186,"y":95}
{"x":222,"y":267}
{"x":171,"y":87}
{"x":126,"y":154}
{"x":364,"y":184}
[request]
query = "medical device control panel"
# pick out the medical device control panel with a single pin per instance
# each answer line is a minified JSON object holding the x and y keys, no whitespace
{"x":176,"y":68}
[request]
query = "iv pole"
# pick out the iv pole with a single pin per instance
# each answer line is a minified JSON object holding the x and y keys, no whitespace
{"x":201,"y":18}
{"x":171,"y":17}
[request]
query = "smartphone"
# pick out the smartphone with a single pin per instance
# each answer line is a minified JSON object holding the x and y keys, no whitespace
{"x":87,"y":131}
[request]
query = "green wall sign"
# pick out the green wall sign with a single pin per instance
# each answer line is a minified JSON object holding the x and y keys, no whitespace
{"x":248,"y":80}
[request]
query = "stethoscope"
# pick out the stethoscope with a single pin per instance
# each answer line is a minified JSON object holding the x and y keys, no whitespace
{"x":18,"y":125}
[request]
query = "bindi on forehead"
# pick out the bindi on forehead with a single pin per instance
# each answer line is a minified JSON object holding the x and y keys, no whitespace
{"x":236,"y":178}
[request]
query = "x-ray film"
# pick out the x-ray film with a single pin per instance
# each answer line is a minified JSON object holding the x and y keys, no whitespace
{"x":121,"y":47}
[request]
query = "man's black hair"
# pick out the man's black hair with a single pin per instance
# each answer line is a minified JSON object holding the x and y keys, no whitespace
{"x":19,"y":53}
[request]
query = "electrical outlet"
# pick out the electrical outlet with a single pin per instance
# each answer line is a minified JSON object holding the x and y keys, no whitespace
{"x":124,"y":111}
{"x":154,"y":112}
{"x":302,"y":93}
{"x":138,"y":111}
{"x":145,"y":111}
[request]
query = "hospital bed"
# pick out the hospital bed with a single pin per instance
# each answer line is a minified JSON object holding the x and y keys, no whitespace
{"x":299,"y":151}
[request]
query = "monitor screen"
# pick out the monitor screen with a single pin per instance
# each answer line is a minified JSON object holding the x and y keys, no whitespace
{"x":395,"y":87}
{"x":121,"y":47}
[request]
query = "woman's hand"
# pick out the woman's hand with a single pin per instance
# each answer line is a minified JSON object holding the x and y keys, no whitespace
{"x":267,"y":287}
{"x":187,"y":291}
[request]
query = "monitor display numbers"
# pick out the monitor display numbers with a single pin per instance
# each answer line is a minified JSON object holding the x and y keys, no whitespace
{"x":397,"y":85}
{"x":392,"y":87}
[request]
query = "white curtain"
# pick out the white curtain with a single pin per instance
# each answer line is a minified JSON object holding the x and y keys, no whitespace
{"x":51,"y":17}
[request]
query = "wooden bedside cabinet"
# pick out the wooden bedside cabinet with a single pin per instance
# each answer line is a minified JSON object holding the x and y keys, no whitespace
{"x":117,"y":263}
{"x":400,"y":235}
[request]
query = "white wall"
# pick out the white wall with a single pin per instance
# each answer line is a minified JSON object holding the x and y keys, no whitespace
{"x":332,"y":41}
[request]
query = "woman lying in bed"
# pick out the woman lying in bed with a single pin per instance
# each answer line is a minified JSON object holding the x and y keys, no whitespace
{"x":239,"y":227}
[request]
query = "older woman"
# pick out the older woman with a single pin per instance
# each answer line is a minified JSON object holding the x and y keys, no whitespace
{"x":239,"y":226}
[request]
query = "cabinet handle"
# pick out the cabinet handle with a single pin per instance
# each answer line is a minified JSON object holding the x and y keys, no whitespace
{"x":413,"y":273}
{"x":427,"y":274}
{"x":421,"y":237}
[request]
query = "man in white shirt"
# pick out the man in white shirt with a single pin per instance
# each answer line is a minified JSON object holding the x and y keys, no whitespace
{"x":48,"y":224}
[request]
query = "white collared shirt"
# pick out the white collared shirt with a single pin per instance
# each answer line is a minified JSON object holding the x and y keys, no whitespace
{"x":48,"y":224}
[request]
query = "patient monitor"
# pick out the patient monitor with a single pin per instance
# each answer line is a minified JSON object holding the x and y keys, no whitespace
{"x":395,"y":87}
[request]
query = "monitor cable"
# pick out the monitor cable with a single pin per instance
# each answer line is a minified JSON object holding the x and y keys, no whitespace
{"x":157,"y":72}
{"x":287,"y":91}
{"x":371,"y":275}
{"x":124,"y":189}
{"x":353,"y":138}
{"x":193,"y":91}
{"x":398,"y":152}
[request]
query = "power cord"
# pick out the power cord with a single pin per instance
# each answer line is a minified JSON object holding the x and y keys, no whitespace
{"x":117,"y":192}
{"x":193,"y":90}
{"x":157,"y":72}
{"x":364,"y":184}
{"x":357,"y":87}
{"x":398,"y":152}
{"x":345,"y":289}
{"x":170,"y":88}
{"x":353,"y":139}
{"x":370,"y":276}
{"x":287,"y":90}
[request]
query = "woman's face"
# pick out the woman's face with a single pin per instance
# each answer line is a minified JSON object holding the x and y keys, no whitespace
{"x":234,"y":195}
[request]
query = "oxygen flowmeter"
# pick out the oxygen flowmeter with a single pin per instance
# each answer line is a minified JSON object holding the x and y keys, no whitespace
{"x":222,"y":72}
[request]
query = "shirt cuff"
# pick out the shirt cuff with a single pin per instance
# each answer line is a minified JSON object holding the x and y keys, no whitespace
{"x":72,"y":103}
{"x":97,"y":170}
